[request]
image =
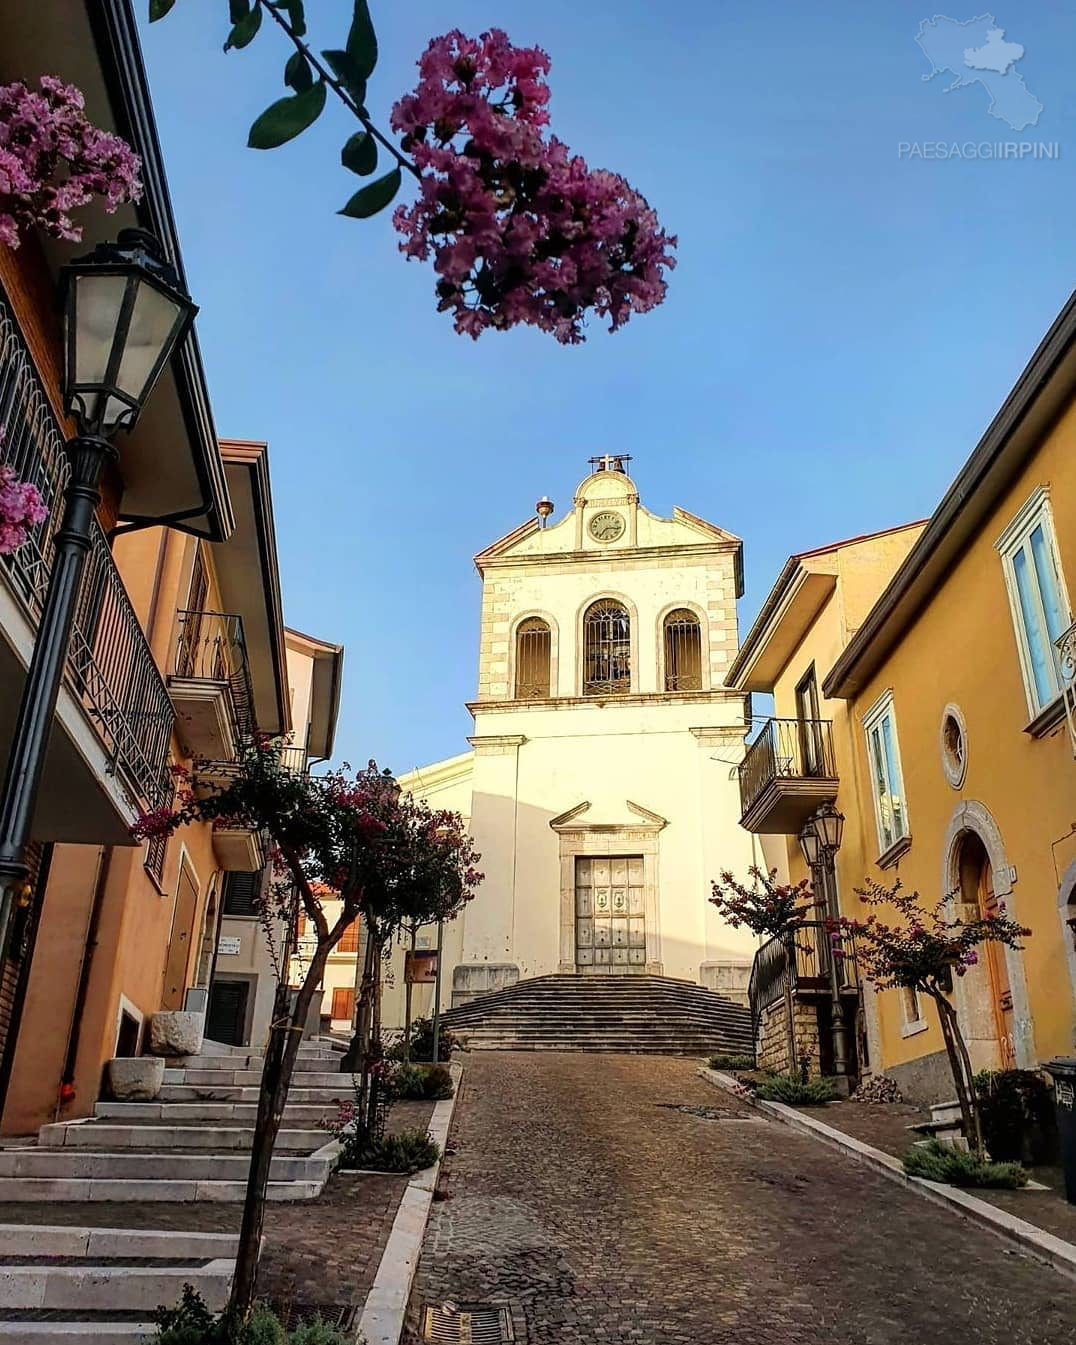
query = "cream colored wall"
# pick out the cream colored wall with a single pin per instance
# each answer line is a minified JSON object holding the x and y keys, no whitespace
{"x":962,"y":649}
{"x":301,"y":685}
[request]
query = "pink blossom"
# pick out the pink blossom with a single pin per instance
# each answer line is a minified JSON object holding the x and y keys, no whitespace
{"x":518,"y":228}
{"x":21,"y":509}
{"x":53,"y":160}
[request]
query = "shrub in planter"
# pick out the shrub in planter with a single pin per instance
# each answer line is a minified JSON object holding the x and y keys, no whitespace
{"x":422,"y":1042}
{"x":408,"y":1151}
{"x":794,"y":1091}
{"x":938,"y":1162}
{"x":423,"y":1083}
{"x":1017,"y":1116}
{"x":731,"y":1062}
{"x":192,"y":1323}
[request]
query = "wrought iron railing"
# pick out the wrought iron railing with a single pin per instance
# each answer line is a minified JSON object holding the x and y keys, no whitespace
{"x":210,"y":646}
{"x":294,"y":759}
{"x":1066,"y":658}
{"x":788,"y":749}
{"x":807,"y":956}
{"x":110,"y":668}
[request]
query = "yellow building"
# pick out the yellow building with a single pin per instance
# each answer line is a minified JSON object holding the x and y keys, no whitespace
{"x":948,"y":695}
{"x":805,"y":757}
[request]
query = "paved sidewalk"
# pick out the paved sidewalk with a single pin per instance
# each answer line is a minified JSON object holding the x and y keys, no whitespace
{"x":601,"y":1215}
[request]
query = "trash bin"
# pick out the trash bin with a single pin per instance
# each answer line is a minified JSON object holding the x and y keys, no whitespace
{"x":1063,"y":1073}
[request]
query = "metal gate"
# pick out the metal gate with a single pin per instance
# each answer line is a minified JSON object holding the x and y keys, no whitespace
{"x":610,"y":927}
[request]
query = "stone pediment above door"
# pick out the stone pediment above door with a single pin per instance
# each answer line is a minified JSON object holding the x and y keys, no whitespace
{"x":635,"y":818}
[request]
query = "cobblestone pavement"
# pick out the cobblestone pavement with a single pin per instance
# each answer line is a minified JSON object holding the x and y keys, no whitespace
{"x":579,"y":1198}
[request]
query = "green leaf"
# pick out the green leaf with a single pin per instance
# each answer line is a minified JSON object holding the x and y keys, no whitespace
{"x":348,"y":73}
{"x":159,"y":8}
{"x":287,"y":117}
{"x":360,"y":154}
{"x":244,"y":31}
{"x":362,"y":40}
{"x":296,"y":16}
{"x":238,"y":9}
{"x":297,"y":73}
{"x":373,"y":198}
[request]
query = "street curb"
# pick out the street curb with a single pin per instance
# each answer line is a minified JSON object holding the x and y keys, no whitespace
{"x":382,"y":1319}
{"x":1054,"y":1251}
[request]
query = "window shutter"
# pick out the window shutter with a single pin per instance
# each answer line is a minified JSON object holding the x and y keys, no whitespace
{"x":241,"y":893}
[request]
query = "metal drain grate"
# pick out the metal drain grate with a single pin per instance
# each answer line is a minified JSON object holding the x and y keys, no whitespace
{"x":449,"y":1325}
{"x":342,"y":1316}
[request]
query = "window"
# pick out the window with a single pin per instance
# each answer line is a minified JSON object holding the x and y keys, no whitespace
{"x":343,"y":1004}
{"x":812,"y":745}
{"x":1040,"y":609}
{"x":533,"y":654}
{"x":349,"y":940}
{"x":683,"y":651}
{"x":242,"y":894}
{"x":910,"y":1010}
{"x":890,"y":809}
{"x":606,"y":649}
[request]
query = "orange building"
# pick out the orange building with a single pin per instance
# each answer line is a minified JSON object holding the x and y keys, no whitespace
{"x":178,"y":648}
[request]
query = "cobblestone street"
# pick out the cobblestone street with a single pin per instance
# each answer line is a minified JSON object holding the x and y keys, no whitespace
{"x":578,"y":1196}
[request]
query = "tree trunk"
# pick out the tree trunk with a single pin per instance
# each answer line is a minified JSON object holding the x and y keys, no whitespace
{"x":281,"y":1051}
{"x":354,"y":1059}
{"x":960,"y":1066}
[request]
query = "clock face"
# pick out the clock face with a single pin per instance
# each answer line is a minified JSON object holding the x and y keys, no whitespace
{"x":606,"y":527}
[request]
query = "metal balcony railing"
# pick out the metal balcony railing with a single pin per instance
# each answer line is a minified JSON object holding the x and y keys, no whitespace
{"x":110,"y":668}
{"x":294,"y":759}
{"x":786,"y":749}
{"x":211,"y":647}
{"x":806,"y":957}
{"x":1066,"y":661}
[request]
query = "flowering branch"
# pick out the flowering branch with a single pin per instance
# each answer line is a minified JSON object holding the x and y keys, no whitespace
{"x":54,"y":160}
{"x":519,"y":230}
{"x":768,"y":908}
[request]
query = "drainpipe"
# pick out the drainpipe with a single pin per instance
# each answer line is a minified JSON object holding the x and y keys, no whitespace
{"x":66,"y":1091}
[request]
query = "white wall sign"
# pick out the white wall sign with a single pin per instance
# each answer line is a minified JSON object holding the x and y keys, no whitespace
{"x":228,"y":944}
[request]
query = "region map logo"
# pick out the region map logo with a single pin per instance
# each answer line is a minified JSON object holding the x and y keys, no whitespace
{"x":976,"y":52}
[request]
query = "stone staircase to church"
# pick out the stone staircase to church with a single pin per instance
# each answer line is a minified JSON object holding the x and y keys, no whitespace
{"x":656,"y":1015}
{"x":100,"y":1285}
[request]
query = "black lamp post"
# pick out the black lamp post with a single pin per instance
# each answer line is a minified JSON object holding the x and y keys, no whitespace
{"x":125,"y":312}
{"x":820,"y":840}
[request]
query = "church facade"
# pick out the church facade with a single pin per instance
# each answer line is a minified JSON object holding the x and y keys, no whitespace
{"x":601,"y":783}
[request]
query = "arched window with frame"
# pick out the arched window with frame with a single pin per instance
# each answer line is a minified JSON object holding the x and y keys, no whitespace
{"x":606,"y":649}
{"x":534,"y":651}
{"x":683,"y":651}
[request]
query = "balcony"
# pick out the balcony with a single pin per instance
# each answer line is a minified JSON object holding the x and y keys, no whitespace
{"x":210,"y":685}
{"x":109,"y":747}
{"x":788,"y":771}
{"x":804,"y":968}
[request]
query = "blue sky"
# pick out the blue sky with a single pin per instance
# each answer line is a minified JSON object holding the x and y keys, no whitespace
{"x":840,"y":329}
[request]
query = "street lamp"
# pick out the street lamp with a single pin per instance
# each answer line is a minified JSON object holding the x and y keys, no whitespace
{"x":125,"y":312}
{"x":820,"y":840}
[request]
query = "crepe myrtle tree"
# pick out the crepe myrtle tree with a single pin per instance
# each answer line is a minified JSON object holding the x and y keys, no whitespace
{"x":922,"y":948}
{"x":772,"y":910}
{"x":386,"y":857}
{"x":519,"y":229}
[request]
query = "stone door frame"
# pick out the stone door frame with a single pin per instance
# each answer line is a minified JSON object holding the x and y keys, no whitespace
{"x":608,"y":840}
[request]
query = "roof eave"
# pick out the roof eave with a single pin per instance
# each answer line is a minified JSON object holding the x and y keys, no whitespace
{"x":1036,"y":399}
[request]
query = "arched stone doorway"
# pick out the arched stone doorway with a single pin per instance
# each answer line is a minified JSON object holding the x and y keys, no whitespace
{"x":991,"y":999}
{"x":987,"y":1019}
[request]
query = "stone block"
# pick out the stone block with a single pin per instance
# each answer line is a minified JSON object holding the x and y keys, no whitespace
{"x":176,"y":1032}
{"x":136,"y":1078}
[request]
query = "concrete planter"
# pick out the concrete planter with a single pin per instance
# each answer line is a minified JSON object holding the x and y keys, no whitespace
{"x":176,"y":1032}
{"x":136,"y":1078}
